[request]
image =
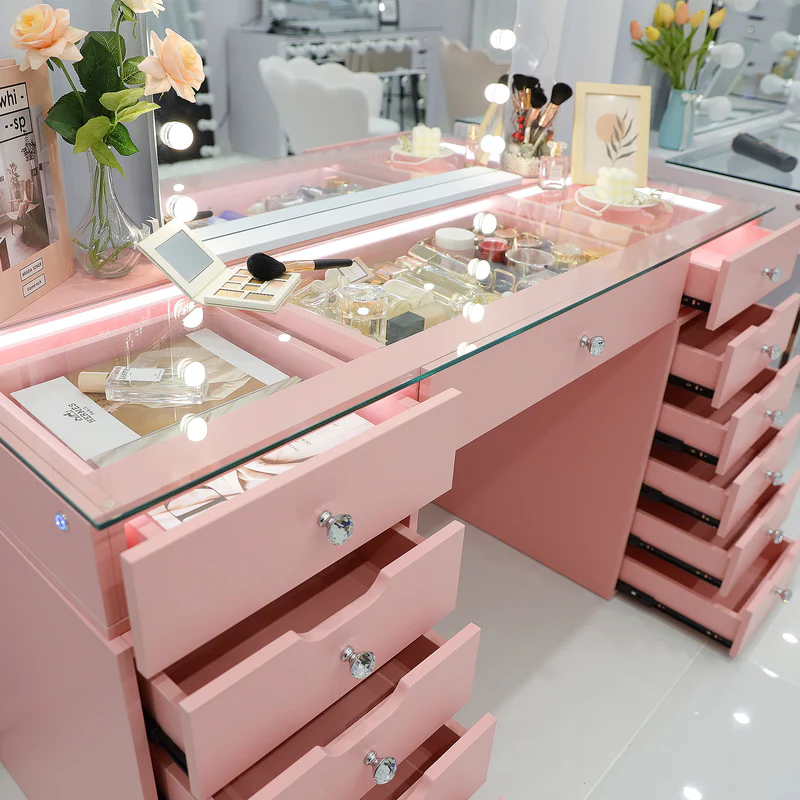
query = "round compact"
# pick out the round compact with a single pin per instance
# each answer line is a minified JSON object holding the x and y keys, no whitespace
{"x":593,"y":255}
{"x":458,"y":240}
{"x":509,"y":234}
{"x":568,"y":255}
{"x":494,"y":250}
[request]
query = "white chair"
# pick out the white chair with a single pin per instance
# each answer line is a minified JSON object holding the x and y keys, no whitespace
{"x":466,"y":74}
{"x":320,"y":105}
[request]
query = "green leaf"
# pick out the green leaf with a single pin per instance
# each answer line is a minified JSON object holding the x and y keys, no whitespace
{"x":127,"y":13}
{"x":115,"y":101}
{"x":131,"y":74}
{"x":104,"y":81}
{"x":91,"y":133}
{"x":121,"y":141}
{"x":65,"y":117}
{"x":102,"y":152}
{"x":132,"y":113}
{"x":111,"y":41}
{"x":95,"y":57}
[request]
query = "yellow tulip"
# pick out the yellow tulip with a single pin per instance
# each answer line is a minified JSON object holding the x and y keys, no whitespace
{"x":681,"y":13}
{"x":636,"y":31}
{"x":665,"y":15}
{"x":652,"y":33}
{"x":697,"y":18}
{"x":716,"y":19}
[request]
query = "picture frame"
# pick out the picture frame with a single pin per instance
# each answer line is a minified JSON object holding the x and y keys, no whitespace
{"x":611,"y":128}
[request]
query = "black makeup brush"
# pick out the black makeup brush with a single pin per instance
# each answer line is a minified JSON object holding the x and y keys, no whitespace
{"x":266,"y":268}
{"x":561,"y":93}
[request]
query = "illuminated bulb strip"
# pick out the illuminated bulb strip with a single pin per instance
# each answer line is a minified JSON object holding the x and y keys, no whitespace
{"x":690,"y":202}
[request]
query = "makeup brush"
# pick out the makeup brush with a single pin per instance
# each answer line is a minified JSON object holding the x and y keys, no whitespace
{"x":538,"y":100}
{"x":561,"y":93}
{"x":266,"y":268}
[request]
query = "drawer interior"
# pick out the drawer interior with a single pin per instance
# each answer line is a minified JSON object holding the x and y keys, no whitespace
{"x":300,"y":611}
{"x":332,"y":723}
{"x":714,"y":253}
{"x":696,"y":334}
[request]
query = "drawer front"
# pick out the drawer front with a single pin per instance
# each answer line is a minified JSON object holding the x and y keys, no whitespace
{"x":194,"y":582}
{"x":745,"y":356}
{"x":238,"y":718}
{"x":514,"y":375}
{"x":763,"y":530}
{"x":742,"y":281}
{"x":462,"y":770}
{"x":424,"y":700}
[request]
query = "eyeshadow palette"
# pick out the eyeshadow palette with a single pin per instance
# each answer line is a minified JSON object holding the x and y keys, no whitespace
{"x":200,"y":275}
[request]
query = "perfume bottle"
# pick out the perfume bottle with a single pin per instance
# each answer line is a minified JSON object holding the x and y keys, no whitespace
{"x":363,"y":306}
{"x":471,"y":152}
{"x":181,"y":384}
{"x":554,"y":168}
{"x":318,"y":297}
{"x":443,"y":284}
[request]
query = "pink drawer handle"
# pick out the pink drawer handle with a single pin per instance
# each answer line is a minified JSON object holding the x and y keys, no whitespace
{"x":785,"y":595}
{"x":385,"y":768}
{"x":772,"y":350}
{"x":362,"y":665}
{"x":777,"y":535}
{"x":340,"y":527}
{"x":774,"y":274}
{"x":595,"y":344}
{"x":776,"y":477}
{"x":776,"y":417}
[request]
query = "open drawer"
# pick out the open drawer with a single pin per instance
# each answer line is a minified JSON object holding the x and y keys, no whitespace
{"x":690,"y":424}
{"x":693,"y":487}
{"x":238,"y":697}
{"x":189,"y":584}
{"x":738,"y":269}
{"x":695,"y":547}
{"x":390,"y":715}
{"x":730,"y":620}
{"x":719,"y":363}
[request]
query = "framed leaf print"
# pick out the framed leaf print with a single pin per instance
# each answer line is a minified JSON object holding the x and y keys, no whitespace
{"x":612,"y":129}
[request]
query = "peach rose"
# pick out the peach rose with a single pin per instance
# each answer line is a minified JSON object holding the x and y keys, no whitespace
{"x":43,"y":33}
{"x":175,"y":63}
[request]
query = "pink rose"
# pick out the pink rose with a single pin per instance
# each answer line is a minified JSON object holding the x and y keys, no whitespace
{"x":175,"y":63}
{"x":44,"y":33}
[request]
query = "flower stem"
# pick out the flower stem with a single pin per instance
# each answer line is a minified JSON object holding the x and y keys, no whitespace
{"x":119,"y":43}
{"x":60,"y":64}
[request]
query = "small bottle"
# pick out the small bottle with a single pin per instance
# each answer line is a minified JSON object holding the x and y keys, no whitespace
{"x":471,"y":154}
{"x":554,"y":168}
{"x":364,"y":307}
{"x":181,"y":384}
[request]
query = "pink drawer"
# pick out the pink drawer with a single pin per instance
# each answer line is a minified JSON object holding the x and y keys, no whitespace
{"x":189,"y":584}
{"x":720,"y":363}
{"x":723,"y":435}
{"x":729,"y":620}
{"x":392,"y":713}
{"x":693,"y":486}
{"x":451,"y":765}
{"x":695,"y":546}
{"x":238,"y":697}
{"x":738,"y":269}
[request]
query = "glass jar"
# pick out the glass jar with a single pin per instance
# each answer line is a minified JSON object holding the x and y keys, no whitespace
{"x":554,"y":168}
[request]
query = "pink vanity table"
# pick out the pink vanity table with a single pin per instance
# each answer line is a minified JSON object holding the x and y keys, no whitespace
{"x":618,"y":423}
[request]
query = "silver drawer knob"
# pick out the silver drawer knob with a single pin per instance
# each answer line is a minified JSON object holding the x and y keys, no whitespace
{"x":362,"y":665}
{"x":385,"y":768}
{"x":340,"y":526}
{"x":772,"y":350}
{"x":775,"y":477}
{"x":777,"y":535}
{"x":775,"y":416}
{"x":595,"y":344}
{"x":773,"y":273}
{"x":785,"y":595}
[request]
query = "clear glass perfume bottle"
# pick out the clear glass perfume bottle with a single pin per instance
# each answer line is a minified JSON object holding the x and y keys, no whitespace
{"x":554,"y":168}
{"x":443,"y":284}
{"x":184,"y":383}
{"x":364,"y":306}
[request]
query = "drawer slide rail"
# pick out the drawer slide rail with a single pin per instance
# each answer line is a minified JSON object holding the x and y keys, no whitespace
{"x":691,"y":386}
{"x":657,"y":496}
{"x":635,"y":541}
{"x":679,"y":446}
{"x":156,"y":736}
{"x":693,"y":302}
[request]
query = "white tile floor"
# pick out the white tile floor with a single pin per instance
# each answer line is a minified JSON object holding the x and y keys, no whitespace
{"x":601,"y":700}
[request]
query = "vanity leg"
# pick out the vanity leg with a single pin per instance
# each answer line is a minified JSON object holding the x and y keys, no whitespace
{"x":561,"y":480}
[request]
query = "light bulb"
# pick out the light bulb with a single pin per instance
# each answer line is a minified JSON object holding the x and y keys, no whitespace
{"x":744,"y":5}
{"x":178,"y":187}
{"x":195,"y":428}
{"x":177,"y":135}
{"x":181,"y":207}
{"x":493,"y":145}
{"x":716,"y":108}
{"x":772,"y":84}
{"x":729,"y":55}
{"x":783,"y":41}
{"x":497,"y":93}
{"x":194,"y":374}
{"x":690,"y":793}
{"x":484,"y":223}
{"x":503,"y":39}
{"x":194,"y":318}
{"x":379,"y":45}
{"x":479,"y":269}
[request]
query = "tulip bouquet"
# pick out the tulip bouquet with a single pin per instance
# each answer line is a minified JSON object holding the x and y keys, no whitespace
{"x":669,"y":40}
{"x":93,"y":118}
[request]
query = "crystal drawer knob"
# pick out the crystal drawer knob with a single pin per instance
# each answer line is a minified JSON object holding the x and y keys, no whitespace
{"x":362,"y":665}
{"x":384,"y":768}
{"x":785,"y":595}
{"x":774,"y":274}
{"x":776,"y":534}
{"x":775,"y":477}
{"x":340,"y":526}
{"x":772,"y":350}
{"x":775,"y":416}
{"x":594,"y":344}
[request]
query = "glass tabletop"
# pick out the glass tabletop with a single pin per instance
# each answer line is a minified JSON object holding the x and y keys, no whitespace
{"x":124,"y":405}
{"x":721,"y":160}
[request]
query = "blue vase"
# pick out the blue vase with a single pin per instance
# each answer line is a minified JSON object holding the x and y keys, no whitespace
{"x":677,"y":126}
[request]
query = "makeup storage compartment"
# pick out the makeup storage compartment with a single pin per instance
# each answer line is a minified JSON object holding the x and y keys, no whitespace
{"x":391,"y":714}
{"x":236,"y":698}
